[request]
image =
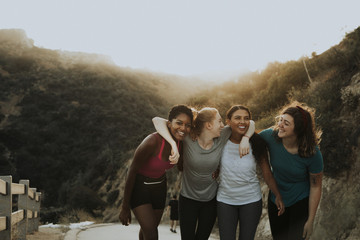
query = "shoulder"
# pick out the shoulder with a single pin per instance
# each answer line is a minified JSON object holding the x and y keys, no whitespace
{"x":266,"y":132}
{"x":152,"y":140}
{"x":188,"y":139}
{"x":316,"y":164}
{"x":257,"y":139}
{"x":317,"y":156}
{"x":225,"y":133}
{"x":258,"y":143}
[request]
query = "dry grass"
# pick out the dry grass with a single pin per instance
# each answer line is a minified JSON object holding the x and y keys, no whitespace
{"x":76,"y":216}
{"x":48,"y":233}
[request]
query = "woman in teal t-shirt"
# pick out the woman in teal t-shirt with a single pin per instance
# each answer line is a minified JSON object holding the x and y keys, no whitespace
{"x":297,"y":166}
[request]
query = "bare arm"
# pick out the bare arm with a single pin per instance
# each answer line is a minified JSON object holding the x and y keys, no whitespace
{"x":314,"y":200}
{"x":142,"y":154}
{"x":270,"y":181}
{"x":160,"y":125}
{"x":244,"y":146}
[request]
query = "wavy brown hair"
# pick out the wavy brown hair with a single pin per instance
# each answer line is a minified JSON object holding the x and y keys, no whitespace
{"x":308,"y":135}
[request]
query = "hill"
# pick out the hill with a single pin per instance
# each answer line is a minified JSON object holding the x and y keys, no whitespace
{"x":68,"y":120}
{"x":329,"y":82}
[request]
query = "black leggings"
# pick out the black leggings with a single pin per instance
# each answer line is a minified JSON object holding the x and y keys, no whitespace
{"x":196,"y":218}
{"x":247,"y":216}
{"x":290,"y":225}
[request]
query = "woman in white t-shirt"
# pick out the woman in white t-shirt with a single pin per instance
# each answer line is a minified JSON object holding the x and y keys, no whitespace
{"x":239,"y":198}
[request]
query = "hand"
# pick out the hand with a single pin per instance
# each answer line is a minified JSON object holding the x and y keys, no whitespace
{"x":174,"y":157}
{"x":280,"y":205}
{"x":215,"y":174}
{"x":244,"y":147}
{"x":308,"y":229}
{"x":125,"y":216}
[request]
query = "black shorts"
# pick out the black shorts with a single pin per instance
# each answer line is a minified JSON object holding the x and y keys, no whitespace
{"x":149,"y":191}
{"x":174,"y":215}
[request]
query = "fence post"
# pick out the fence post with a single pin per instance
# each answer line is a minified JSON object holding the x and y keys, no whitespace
{"x":23,"y":204}
{"x":31,"y":207}
{"x":6,"y":208}
{"x":37,"y":209}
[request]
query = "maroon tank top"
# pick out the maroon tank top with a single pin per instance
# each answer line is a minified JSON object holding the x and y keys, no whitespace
{"x":155,"y":167}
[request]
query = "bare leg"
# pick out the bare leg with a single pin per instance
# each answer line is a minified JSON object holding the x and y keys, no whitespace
{"x":174,"y":227}
{"x":149,"y":220}
{"x":171,"y":224}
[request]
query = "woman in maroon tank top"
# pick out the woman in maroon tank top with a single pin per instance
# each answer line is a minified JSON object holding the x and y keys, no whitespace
{"x":145,"y":188}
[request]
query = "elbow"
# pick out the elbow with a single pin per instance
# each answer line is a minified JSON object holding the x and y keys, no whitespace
{"x":316,"y":192}
{"x":155,"y":119}
{"x":252,"y":123}
{"x":268,"y":181}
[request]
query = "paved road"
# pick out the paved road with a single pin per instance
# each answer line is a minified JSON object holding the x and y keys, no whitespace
{"x":120,"y":232}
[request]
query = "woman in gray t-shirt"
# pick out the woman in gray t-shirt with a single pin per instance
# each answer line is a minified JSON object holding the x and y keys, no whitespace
{"x":199,"y":161}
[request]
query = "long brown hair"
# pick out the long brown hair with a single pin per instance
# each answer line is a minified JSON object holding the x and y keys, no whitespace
{"x":308,"y":135}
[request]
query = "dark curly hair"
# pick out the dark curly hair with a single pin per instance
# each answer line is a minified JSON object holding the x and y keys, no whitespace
{"x":178,"y":109}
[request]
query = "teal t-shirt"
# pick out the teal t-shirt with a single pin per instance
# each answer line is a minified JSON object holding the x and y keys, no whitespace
{"x":291,"y":171}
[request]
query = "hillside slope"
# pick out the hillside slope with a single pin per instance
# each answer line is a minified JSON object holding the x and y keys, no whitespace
{"x":332,"y":87}
{"x":70,"y":122}
{"x":67,"y":120}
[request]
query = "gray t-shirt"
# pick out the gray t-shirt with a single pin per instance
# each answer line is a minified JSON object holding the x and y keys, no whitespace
{"x":199,"y":165}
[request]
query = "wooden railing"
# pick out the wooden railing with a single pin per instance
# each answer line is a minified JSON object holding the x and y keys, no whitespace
{"x":24,"y":220}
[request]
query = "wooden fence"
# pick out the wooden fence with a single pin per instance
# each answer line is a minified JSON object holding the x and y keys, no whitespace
{"x":24,"y":220}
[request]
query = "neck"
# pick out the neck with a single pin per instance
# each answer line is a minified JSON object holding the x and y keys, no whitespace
{"x":236,"y":138}
{"x":205,"y":140}
{"x":291,"y":144}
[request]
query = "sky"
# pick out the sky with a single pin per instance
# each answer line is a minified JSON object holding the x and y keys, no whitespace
{"x":185,"y":37}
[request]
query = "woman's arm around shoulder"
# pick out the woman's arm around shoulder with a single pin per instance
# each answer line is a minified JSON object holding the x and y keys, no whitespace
{"x":244,"y":147}
{"x":160,"y":125}
{"x":262,"y":154}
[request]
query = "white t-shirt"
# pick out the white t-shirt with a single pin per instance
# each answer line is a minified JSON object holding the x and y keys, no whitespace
{"x":239,"y":183}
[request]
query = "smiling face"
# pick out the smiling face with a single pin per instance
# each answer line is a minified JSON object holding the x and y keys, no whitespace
{"x":286,"y":126}
{"x":239,"y":122}
{"x":180,"y":126}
